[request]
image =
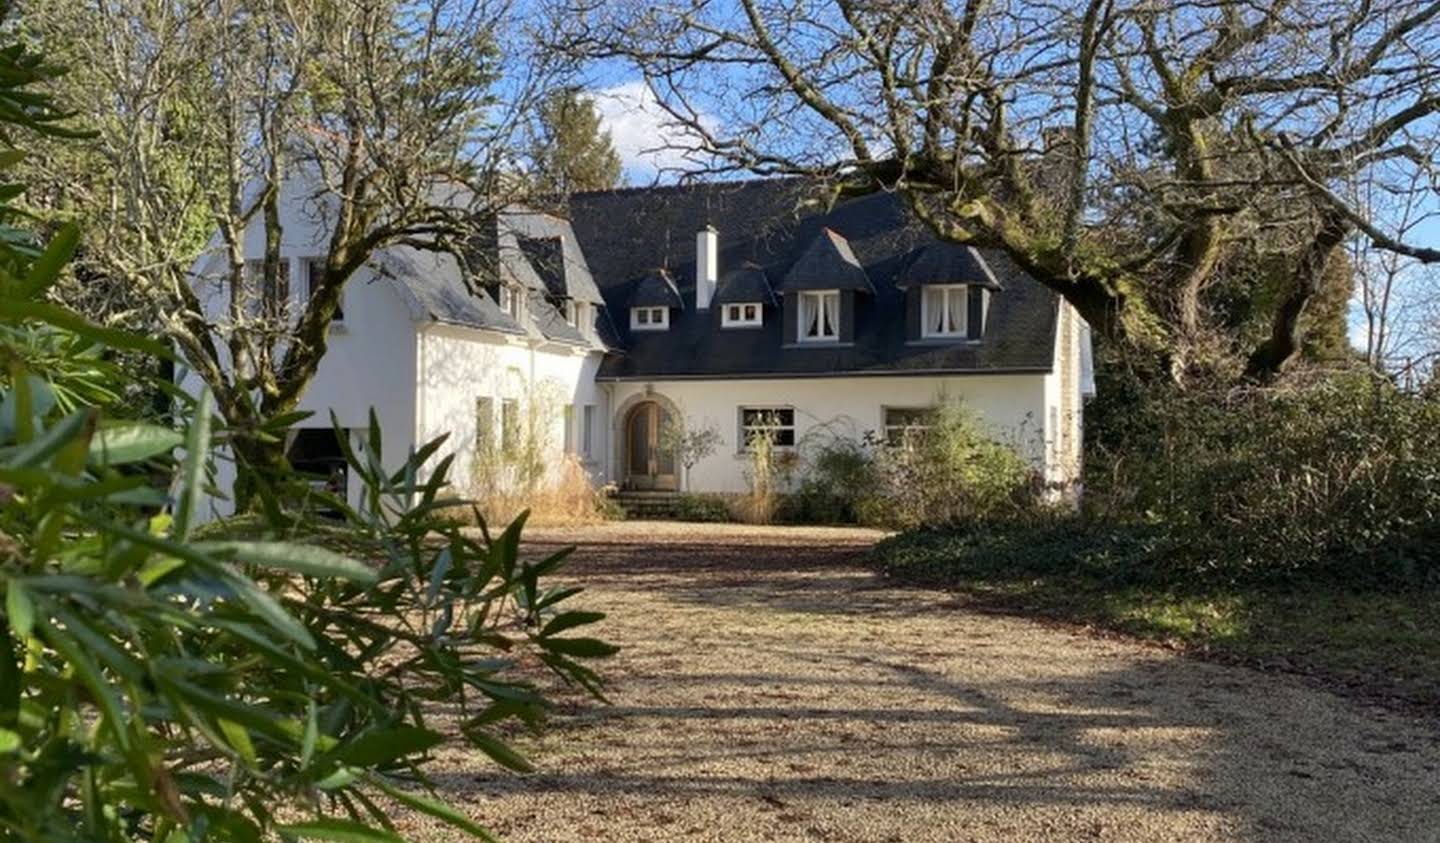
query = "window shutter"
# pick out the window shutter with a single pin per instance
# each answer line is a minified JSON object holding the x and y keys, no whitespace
{"x":912,"y":313}
{"x":790,"y":317}
{"x":975,"y":318}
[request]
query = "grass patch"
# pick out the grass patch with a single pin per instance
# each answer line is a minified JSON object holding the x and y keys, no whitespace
{"x":1377,"y":643}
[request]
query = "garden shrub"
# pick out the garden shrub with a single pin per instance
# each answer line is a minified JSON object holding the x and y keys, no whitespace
{"x":702,"y":508}
{"x":1334,"y":477}
{"x":840,"y":471}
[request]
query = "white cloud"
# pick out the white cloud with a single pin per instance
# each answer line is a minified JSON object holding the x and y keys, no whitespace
{"x":645,"y":135}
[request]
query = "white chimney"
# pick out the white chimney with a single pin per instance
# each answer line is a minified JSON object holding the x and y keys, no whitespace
{"x":707,"y":266}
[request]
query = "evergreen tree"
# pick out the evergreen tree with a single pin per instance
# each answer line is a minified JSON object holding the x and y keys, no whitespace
{"x":572,"y":152}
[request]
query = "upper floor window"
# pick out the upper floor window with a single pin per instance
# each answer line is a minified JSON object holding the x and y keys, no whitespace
{"x":943,"y":310}
{"x":509,"y":301}
{"x":742,"y":316}
{"x":314,"y":274}
{"x":572,"y":312}
{"x":819,"y":316}
{"x":649,"y":318}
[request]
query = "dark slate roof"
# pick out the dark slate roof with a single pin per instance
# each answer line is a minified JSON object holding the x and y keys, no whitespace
{"x":827,"y":263}
{"x":744,"y":285}
{"x":539,"y":252}
{"x":655,"y":289}
{"x":769,"y":222}
{"x":551,"y":321}
{"x":948,"y":263}
{"x":436,"y":286}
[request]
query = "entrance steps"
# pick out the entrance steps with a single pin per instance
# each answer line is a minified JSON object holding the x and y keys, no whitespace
{"x":647,"y":505}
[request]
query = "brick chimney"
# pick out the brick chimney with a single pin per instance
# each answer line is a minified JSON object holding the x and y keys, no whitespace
{"x":707,"y":266}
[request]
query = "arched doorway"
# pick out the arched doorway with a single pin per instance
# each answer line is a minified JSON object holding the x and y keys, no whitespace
{"x":648,"y":464}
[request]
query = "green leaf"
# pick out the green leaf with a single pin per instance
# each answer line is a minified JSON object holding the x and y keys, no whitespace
{"x":89,"y":676}
{"x":132,"y":442}
{"x":47,"y":444}
{"x":341,"y":831}
{"x":381,"y":746}
{"x":19,"y":609}
{"x":570,"y":620}
{"x":498,"y":751}
{"x":47,"y":267}
{"x":300,"y":558}
{"x":9,"y":741}
{"x":239,"y":740}
{"x":580,"y":648}
{"x":434,"y":808}
{"x":264,"y":604}
{"x":197,"y":450}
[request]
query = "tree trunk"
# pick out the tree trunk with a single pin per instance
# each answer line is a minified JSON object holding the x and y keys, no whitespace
{"x":1270,"y":356}
{"x":260,"y":465}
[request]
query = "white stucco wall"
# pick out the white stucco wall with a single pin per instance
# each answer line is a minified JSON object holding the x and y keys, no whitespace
{"x":371,"y":357}
{"x":1012,"y":406}
{"x":458,"y":366}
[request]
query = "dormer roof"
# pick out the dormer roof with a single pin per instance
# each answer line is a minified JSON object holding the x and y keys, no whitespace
{"x":656,"y":289}
{"x":827,"y":263}
{"x":948,"y":263}
{"x":744,"y":285}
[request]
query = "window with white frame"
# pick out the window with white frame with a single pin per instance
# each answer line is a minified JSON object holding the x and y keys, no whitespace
{"x":775,"y":423}
{"x":904,"y":426}
{"x":943,"y":310}
{"x":819,"y":316}
{"x":649,"y":318}
{"x":314,"y":274}
{"x":509,"y":301}
{"x":742,"y":315}
{"x":587,"y":431}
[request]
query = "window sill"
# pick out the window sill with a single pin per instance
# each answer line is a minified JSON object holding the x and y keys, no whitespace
{"x":944,"y":341}
{"x":819,"y":344}
{"x":750,"y":327}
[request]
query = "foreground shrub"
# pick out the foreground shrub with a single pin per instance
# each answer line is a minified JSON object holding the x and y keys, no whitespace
{"x":702,"y":508}
{"x":157,"y":684}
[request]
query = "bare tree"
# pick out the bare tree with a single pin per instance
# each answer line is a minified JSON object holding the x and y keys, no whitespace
{"x":1118,"y":150}
{"x":399,"y":120}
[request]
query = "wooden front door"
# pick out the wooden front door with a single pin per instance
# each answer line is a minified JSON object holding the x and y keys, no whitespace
{"x":647,"y":464}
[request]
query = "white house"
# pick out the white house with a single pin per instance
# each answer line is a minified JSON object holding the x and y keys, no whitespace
{"x":719,"y":305}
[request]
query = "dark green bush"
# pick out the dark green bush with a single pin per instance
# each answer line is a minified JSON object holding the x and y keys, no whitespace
{"x":693,"y":507}
{"x":1337,"y":479}
{"x":840,"y":473}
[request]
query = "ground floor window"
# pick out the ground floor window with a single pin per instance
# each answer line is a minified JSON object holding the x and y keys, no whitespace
{"x":776,"y":423}
{"x":905,"y":425}
{"x":587,"y":432}
{"x":509,"y":425}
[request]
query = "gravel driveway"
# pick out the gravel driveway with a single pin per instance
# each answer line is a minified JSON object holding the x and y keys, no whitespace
{"x":771,"y":689}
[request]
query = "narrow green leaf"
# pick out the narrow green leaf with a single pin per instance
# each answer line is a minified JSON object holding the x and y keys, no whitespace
{"x":580,"y":648}
{"x":9,"y":741}
{"x":262,"y":603}
{"x":43,"y":447}
{"x":197,"y":450}
{"x":132,"y":442}
{"x":338,"y":830}
{"x":300,"y":558}
{"x":434,"y":808}
{"x":19,"y":609}
{"x":89,"y":676}
{"x":46,"y":268}
{"x":499,"y":752}
{"x":381,"y":746}
{"x":570,"y":620}
{"x":239,"y":740}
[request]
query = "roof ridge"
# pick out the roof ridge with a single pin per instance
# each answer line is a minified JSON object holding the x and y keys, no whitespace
{"x":687,"y":185}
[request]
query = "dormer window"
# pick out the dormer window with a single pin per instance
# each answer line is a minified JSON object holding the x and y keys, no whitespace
{"x":743,"y":315}
{"x":819,"y":316}
{"x":649,"y":318}
{"x":571,"y":312}
{"x":509,"y":301}
{"x":943,"y":310}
